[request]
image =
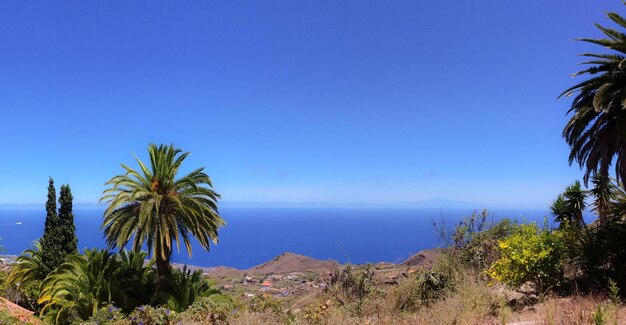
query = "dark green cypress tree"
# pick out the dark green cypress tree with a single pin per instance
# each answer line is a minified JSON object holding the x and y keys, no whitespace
{"x":59,"y":236}
{"x":50,"y":245}
{"x":68,"y":229}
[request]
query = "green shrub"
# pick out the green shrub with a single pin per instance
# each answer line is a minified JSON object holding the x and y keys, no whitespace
{"x":614,"y":292}
{"x":602,"y":253}
{"x":420,"y":291}
{"x":264,"y":303}
{"x":432,"y":286}
{"x":185,"y":287}
{"x":350,"y":287}
{"x":108,"y":315}
{"x":148,"y":315}
{"x":316,"y":313}
{"x":530,"y":254}
{"x":473,"y":241}
{"x":599,"y":317}
{"x":214,"y":309}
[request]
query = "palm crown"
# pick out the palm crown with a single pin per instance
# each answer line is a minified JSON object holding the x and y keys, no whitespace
{"x":153,"y":207}
{"x":596,"y":132}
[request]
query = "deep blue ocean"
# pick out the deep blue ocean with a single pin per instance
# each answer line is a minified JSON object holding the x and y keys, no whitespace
{"x":255,"y":235}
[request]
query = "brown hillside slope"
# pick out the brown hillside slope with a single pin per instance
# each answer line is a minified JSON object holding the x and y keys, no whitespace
{"x":291,"y":262}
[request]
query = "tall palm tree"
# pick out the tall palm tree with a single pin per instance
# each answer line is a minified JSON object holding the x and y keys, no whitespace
{"x":153,"y":207}
{"x":596,"y":132}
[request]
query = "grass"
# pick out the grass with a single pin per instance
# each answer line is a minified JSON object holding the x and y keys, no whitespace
{"x":472,"y":301}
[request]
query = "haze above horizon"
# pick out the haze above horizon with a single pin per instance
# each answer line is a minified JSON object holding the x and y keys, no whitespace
{"x":296,"y":101}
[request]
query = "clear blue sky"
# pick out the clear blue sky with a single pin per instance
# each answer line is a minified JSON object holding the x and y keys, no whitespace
{"x":295,"y":101}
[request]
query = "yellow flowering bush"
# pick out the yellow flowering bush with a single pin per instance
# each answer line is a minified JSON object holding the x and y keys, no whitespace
{"x":530,"y":254}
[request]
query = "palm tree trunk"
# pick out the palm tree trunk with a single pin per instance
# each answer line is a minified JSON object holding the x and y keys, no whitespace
{"x":164,"y":272}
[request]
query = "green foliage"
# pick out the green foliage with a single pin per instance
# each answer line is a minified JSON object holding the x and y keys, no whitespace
{"x":135,"y":279}
{"x":569,"y":206}
{"x":264,"y":303}
{"x":26,"y":276}
{"x":153,"y":207}
{"x":80,"y":286}
{"x":84,"y":283}
{"x":109,"y":315}
{"x":59,"y":237}
{"x":599,"y":317}
{"x":214,"y":309}
{"x":67,"y":231}
{"x":350,"y":287}
{"x":595,"y":130}
{"x":604,"y":192}
{"x":186,"y":287}
{"x":472,"y":243}
{"x":432,"y":286}
{"x":316,"y":313}
{"x":614,"y":292}
{"x":530,"y":254}
{"x":601,"y":252}
{"x":148,"y":315}
{"x":420,"y":290}
{"x":50,"y":244}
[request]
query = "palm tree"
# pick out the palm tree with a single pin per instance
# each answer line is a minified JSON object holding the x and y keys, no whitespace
{"x":27,"y":275}
{"x":618,"y":207}
{"x":575,"y":198}
{"x":596,"y":132}
{"x":569,"y":206}
{"x":135,"y":279}
{"x":187,"y":287}
{"x":604,"y":192}
{"x":29,"y":267}
{"x":153,"y":207}
{"x":560,"y":210}
{"x":81,"y":285}
{"x":85,"y":283}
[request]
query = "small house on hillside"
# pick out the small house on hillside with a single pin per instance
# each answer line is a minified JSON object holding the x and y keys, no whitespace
{"x":266,"y":285}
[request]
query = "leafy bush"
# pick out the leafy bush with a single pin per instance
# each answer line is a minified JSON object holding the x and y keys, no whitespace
{"x":214,"y":309}
{"x":317,"y":313}
{"x":602,"y":252}
{"x":420,"y":291}
{"x":530,"y":254}
{"x":185,"y":287}
{"x":263,"y":303}
{"x":85,"y":283}
{"x":109,"y":315}
{"x":148,"y":315}
{"x":23,"y":282}
{"x":350,"y":287}
{"x":473,"y":241}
